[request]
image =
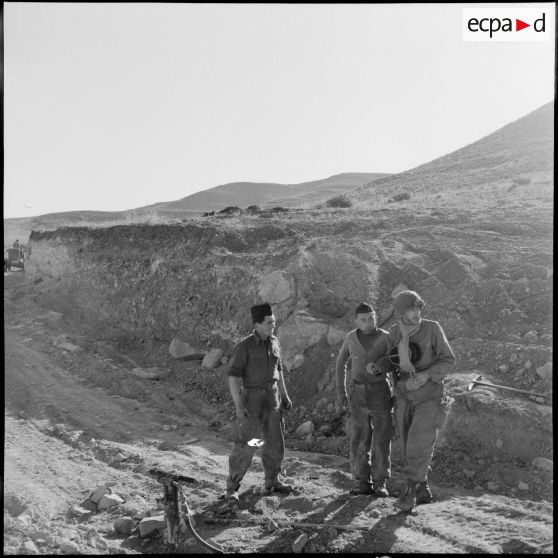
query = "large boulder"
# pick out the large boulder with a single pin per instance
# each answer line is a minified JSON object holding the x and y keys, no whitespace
{"x":299,"y":332}
{"x":151,"y":525}
{"x":212,"y":359}
{"x":180,"y":349}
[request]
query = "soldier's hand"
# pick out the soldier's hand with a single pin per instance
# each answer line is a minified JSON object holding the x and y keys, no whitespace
{"x":241,"y":411}
{"x":341,"y":404}
{"x":286,"y":403}
{"x":372,"y":368}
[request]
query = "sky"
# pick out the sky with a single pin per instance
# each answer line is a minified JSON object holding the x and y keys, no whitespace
{"x":116,"y":106}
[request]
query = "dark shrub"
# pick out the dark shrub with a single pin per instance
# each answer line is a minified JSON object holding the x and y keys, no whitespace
{"x":342,"y":200}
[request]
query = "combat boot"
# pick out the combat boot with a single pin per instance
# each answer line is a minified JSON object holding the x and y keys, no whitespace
{"x":407,"y":497}
{"x":380,"y":490}
{"x":275,"y":485}
{"x":424,"y":495}
{"x":359,"y":489}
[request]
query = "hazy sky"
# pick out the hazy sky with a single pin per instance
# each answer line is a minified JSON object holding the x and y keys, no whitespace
{"x":115,"y":106}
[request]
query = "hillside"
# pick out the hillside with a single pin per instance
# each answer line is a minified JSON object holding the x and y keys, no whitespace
{"x":244,"y":194}
{"x":521,"y":149}
{"x":241,"y":194}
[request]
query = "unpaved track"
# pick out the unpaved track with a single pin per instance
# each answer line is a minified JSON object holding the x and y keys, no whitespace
{"x":65,"y":436}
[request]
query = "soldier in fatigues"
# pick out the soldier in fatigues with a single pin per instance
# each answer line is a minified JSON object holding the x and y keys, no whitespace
{"x":370,"y":403}
{"x":258,"y":389}
{"x":421,"y":402}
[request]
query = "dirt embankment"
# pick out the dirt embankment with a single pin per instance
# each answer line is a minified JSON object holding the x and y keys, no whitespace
{"x":77,"y":418}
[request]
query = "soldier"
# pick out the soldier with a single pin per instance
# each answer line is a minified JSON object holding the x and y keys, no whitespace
{"x":258,"y":389}
{"x":421,"y":401}
{"x":370,"y":403}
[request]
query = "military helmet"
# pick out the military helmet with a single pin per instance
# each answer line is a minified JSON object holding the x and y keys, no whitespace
{"x":414,"y":354}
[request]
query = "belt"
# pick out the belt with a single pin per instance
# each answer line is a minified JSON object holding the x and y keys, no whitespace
{"x":267,"y":385}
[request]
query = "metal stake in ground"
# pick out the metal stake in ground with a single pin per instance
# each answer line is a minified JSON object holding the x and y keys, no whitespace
{"x":477,"y":382}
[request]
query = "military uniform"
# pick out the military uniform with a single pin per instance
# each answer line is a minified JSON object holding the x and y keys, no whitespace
{"x":370,"y":404}
{"x":258,"y":363}
{"x":419,"y":414}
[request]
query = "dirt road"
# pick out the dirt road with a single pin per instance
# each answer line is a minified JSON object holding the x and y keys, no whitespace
{"x":65,"y":435}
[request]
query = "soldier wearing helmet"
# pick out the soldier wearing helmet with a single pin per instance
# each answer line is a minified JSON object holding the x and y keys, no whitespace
{"x":420,"y":358}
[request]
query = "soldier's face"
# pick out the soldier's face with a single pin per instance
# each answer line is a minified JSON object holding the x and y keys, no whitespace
{"x":366,"y":322}
{"x":412,"y":315}
{"x":266,"y":327}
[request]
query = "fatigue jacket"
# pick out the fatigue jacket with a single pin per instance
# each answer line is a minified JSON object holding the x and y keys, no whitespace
{"x":256,"y":361}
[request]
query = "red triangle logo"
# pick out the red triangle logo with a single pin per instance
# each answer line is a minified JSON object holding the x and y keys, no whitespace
{"x":519,"y":25}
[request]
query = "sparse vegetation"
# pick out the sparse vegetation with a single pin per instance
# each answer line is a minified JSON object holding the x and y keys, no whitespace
{"x":400,"y":197}
{"x":229,"y":209}
{"x":342,"y":200}
{"x":519,"y":181}
{"x":253,"y":208}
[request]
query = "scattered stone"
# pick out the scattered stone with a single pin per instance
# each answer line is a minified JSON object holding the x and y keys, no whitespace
{"x":99,"y":492}
{"x":88,"y":505}
{"x":40,"y":538}
{"x":180,"y":349}
{"x":499,"y":443}
{"x":313,"y":475}
{"x":224,"y":360}
{"x":300,"y":543}
{"x":528,"y":365}
{"x":78,"y":511}
{"x":374,"y":513}
{"x":151,"y":373}
{"x":124,"y":525}
{"x":212,"y":359}
{"x":523,"y":486}
{"x":531,"y":337}
{"x":305,"y":428}
{"x":492,"y":486}
{"x":29,"y":547}
{"x":545,"y":371}
{"x":108,"y":501}
{"x":67,"y":547}
{"x":503,"y":368}
{"x":543,"y":463}
{"x":468,"y":473}
{"x":150,"y":525}
{"x":271,"y":525}
{"x":309,"y":440}
{"x":513,"y":357}
{"x":517,"y":546}
{"x":540,"y":400}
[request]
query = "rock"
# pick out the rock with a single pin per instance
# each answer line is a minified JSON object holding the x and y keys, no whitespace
{"x":468,"y":473}
{"x":313,"y":475}
{"x":41,"y":537}
{"x":124,"y":525}
{"x":374,"y":513}
{"x":300,"y":543}
{"x":517,"y":546}
{"x":224,"y":360}
{"x":543,"y":463}
{"x":88,"y":505}
{"x":68,"y":547}
{"x":499,"y":443}
{"x":513,"y":357}
{"x":398,"y":289}
{"x":271,"y":525}
{"x":108,"y":501}
{"x":29,"y":547}
{"x":298,"y":332}
{"x":331,"y":532}
{"x":180,"y":349}
{"x":276,"y":287}
{"x":78,"y":511}
{"x":99,"y":492}
{"x":545,"y":371}
{"x":325,"y":430}
{"x":297,"y":361}
{"x":503,"y":368}
{"x":335,"y":336}
{"x":305,"y":428}
{"x":492,"y":486}
{"x":531,"y":337}
{"x":523,"y":486}
{"x":150,"y":525}
{"x":309,"y":440}
{"x":212,"y":359}
{"x":540,"y":400}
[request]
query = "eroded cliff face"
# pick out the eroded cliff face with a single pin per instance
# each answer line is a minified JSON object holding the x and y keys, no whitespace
{"x":196,"y":281}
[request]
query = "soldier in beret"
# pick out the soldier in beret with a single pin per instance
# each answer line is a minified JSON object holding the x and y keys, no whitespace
{"x":421,"y":401}
{"x":258,"y":390}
